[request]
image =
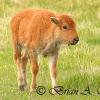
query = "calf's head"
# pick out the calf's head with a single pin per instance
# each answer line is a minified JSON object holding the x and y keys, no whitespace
{"x":65,"y":29}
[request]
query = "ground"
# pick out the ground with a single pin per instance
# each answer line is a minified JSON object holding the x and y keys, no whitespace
{"x":78,"y":66}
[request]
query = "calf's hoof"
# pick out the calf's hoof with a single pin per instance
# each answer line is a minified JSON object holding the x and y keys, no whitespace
{"x":21,"y":87}
{"x":32,"y":90}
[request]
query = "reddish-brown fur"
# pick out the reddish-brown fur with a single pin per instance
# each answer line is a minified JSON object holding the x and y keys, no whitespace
{"x":39,"y":31}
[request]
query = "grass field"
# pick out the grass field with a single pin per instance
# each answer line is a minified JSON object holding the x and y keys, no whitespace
{"x":78,"y":66}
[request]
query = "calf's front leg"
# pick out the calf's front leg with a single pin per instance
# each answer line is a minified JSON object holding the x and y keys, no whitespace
{"x":52,"y":67}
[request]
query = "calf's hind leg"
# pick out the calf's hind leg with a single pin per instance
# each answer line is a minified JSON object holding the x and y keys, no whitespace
{"x":21,"y":62}
{"x":34,"y":70}
{"x":24,"y":61}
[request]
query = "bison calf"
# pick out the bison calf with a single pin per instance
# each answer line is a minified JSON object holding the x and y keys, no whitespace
{"x":37,"y":32}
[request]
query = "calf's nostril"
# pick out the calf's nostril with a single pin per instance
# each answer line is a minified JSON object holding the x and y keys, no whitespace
{"x":76,"y":39}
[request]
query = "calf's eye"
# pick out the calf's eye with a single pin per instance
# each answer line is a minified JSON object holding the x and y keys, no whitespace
{"x":64,"y":27}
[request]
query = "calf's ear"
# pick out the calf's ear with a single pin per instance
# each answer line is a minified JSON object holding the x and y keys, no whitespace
{"x":54,"y":20}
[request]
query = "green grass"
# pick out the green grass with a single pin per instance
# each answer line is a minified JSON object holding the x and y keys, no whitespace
{"x":78,"y":66}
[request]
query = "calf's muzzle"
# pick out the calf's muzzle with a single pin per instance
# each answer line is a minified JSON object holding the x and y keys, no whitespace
{"x":74,"y":41}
